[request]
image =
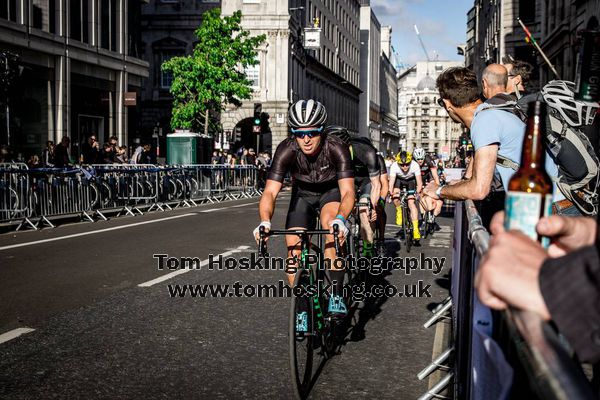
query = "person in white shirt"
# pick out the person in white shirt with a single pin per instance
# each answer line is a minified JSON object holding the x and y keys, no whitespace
{"x":406,"y":173}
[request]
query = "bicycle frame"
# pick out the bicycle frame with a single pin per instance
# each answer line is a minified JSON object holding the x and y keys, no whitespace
{"x":305,"y":244}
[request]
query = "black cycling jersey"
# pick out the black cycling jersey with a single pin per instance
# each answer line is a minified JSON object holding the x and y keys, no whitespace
{"x":364,"y":160}
{"x":315,"y":174}
{"x":428,"y":163}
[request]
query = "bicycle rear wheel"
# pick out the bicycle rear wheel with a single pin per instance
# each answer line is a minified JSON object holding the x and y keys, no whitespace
{"x":426,"y":225}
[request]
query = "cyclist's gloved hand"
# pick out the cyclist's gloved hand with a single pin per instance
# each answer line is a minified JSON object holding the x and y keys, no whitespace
{"x":342,"y":229}
{"x":256,"y":232}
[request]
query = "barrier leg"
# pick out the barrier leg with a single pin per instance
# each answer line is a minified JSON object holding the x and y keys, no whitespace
{"x":40,"y":223}
{"x":438,"y":315}
{"x":102,"y":216}
{"x":435,"y":364}
{"x":28,"y":221}
{"x":433,"y":392}
{"x":86,"y":215}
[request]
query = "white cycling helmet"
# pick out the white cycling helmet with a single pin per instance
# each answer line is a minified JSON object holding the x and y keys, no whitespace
{"x":419,"y":153}
{"x":559,"y":95}
{"x":306,"y":113}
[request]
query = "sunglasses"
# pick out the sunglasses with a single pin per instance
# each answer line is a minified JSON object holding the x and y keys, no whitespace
{"x":405,"y":165}
{"x":441,"y":103}
{"x":311,"y":133}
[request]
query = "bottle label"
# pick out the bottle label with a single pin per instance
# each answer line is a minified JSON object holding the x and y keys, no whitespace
{"x":523,"y":211}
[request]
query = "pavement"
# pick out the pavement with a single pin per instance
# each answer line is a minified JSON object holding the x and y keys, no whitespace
{"x":103,"y":324}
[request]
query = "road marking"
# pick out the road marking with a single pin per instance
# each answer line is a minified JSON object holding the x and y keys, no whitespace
{"x":183,"y":271}
{"x":15,"y":333}
{"x":13,"y":246}
{"x":225,"y":208}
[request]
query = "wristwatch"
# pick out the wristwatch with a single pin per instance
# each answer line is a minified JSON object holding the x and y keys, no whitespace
{"x":438,"y":191}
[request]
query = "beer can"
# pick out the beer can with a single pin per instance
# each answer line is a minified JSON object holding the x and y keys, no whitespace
{"x":587,"y":81}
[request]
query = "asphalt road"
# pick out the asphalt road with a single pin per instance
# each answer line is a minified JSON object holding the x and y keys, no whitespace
{"x":98,"y":334}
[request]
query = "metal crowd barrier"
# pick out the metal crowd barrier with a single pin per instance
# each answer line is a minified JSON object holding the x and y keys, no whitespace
{"x":35,"y":196}
{"x":491,"y":348}
{"x":14,"y":193}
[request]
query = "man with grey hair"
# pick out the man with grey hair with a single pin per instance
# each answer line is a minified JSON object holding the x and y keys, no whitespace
{"x":494,"y":80}
{"x":519,"y":73}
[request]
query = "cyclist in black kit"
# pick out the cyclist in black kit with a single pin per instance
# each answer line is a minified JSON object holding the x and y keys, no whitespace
{"x":322,"y":181}
{"x":429,"y":172}
{"x":383,"y":197}
{"x":366,"y":180}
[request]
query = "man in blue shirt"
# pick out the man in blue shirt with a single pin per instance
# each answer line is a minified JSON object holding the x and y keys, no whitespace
{"x":460,"y":96}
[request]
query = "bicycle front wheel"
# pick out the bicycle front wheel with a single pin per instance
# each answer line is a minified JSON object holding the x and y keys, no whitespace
{"x":407,"y":229}
{"x":304,"y":338}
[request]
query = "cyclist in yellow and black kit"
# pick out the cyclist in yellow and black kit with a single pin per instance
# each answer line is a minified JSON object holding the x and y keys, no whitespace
{"x":405,"y":173}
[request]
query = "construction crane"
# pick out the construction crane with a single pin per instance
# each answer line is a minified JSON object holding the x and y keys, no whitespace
{"x":422,"y":44}
{"x":397,"y":61}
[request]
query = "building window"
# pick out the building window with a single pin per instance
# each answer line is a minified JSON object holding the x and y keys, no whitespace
{"x":527,"y":10}
{"x":75,"y":23}
{"x":166,"y":77}
{"x":253,"y":75}
{"x":8,"y":10}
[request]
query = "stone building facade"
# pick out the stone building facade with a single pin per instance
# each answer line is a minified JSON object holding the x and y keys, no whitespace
{"x":76,"y":60}
{"x":423,"y":123}
{"x":167,"y":31}
{"x":288,"y":72}
{"x":493,"y":32}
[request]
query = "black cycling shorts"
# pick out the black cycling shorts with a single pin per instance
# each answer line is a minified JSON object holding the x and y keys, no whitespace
{"x":304,"y":207}
{"x":363,"y":188}
{"x":409,"y":184}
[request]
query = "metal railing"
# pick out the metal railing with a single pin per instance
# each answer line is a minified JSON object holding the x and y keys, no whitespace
{"x":33,"y":197}
{"x":527,"y":343}
{"x":552,"y":372}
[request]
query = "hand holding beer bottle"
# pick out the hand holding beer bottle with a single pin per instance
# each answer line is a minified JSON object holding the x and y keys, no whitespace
{"x":529,"y":195}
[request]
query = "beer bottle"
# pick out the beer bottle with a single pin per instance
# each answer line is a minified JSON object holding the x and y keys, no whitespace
{"x":529,"y":195}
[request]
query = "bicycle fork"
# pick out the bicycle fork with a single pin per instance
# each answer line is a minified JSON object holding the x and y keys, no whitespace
{"x":315,"y":299}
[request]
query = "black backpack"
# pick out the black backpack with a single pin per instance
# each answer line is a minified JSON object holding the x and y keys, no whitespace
{"x":566,"y":123}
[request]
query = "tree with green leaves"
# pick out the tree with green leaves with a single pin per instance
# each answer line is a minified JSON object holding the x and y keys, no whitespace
{"x":214,"y":74}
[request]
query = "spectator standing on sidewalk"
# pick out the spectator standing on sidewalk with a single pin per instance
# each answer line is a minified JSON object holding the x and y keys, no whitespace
{"x":61,"y":153}
{"x":48,"y":154}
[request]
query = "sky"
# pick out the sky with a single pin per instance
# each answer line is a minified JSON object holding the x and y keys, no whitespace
{"x":441,"y":23}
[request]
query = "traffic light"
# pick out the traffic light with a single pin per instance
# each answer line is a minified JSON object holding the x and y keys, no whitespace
{"x":257,"y":112}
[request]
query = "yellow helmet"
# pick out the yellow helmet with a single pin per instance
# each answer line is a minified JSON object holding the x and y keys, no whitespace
{"x":404,"y":157}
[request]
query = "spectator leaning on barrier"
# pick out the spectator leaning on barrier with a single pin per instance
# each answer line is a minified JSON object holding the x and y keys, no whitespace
{"x":493,"y":80}
{"x":496,"y":83}
{"x":214,"y":160}
{"x":493,"y":132}
{"x":90,"y":151}
{"x":518,"y":75}
{"x":147,"y":156}
{"x":107,"y":155}
{"x":562,"y":283}
{"x":135,"y":157}
{"x":121,"y":156}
